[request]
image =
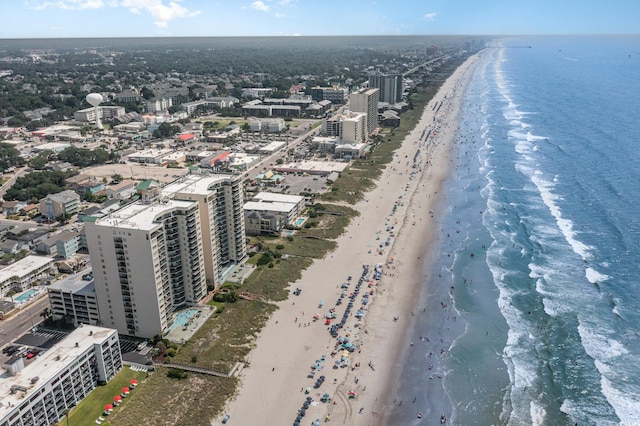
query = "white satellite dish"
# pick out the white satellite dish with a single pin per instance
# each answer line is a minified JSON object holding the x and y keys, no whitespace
{"x":95,"y":99}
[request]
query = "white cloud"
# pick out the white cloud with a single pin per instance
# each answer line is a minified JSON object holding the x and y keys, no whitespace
{"x":161,"y":11}
{"x":259,"y":5}
{"x":429,"y":17}
{"x":285,"y":2}
{"x":67,"y":4}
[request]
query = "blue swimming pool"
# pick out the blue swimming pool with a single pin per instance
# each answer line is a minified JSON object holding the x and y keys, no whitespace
{"x":299,"y":221}
{"x":24,"y":296}
{"x":182,"y":318}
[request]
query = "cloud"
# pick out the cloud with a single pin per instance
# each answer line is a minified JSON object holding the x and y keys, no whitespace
{"x":259,"y":5}
{"x":429,"y":17}
{"x":161,"y":11}
{"x":285,"y":2}
{"x":67,"y":4}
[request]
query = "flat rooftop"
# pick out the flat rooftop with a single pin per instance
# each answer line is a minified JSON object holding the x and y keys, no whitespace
{"x":193,"y":184}
{"x":141,"y":216}
{"x":24,"y":267}
{"x":48,"y":365}
{"x":313,"y":167}
{"x":268,"y":206}
{"x":75,"y":284}
{"x":275,"y":197}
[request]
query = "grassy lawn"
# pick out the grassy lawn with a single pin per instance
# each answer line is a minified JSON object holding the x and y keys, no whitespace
{"x":187,"y":402}
{"x":93,"y":405}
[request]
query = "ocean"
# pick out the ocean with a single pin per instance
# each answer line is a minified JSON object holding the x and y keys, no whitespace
{"x":531,"y":312}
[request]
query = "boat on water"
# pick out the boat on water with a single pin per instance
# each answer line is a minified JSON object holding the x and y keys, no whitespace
{"x":420,"y":415}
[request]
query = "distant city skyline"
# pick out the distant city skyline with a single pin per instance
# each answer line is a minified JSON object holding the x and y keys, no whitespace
{"x":204,"y":18}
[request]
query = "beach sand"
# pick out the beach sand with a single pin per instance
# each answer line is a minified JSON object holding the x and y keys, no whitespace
{"x":274,"y":380}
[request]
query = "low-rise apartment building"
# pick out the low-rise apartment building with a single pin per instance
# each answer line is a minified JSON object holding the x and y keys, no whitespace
{"x":42,"y":392}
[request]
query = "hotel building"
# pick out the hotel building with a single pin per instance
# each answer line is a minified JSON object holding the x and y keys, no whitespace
{"x":155,"y":256}
{"x":57,"y":380}
{"x":390,"y":86}
{"x":366,"y":100}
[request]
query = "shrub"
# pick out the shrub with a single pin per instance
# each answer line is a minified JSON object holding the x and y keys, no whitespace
{"x":174,"y":373}
{"x":264,"y":259}
{"x":270,"y":265}
{"x":194,"y":358}
{"x":279,"y":246}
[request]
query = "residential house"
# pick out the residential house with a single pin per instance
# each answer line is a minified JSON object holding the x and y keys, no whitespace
{"x":65,"y":202}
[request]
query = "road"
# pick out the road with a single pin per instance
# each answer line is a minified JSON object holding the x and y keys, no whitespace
{"x":8,"y":184}
{"x":262,"y":164}
{"x":22,"y":321}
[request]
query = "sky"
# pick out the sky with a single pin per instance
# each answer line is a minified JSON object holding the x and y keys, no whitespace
{"x":208,"y":18}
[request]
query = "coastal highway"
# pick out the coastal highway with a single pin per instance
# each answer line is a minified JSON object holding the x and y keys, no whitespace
{"x":22,"y":321}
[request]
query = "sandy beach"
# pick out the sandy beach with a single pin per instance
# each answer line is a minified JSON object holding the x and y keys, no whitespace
{"x":403,"y":210}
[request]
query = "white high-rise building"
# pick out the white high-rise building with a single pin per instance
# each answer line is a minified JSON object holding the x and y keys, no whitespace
{"x":156,"y":255}
{"x":366,"y":100}
{"x":350,"y":126}
{"x":41,"y":392}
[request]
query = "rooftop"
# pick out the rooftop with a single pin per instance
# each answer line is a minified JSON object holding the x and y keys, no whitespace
{"x":47,"y":365}
{"x":141,"y":216}
{"x":75,"y":284}
{"x":278,"y":198}
{"x":24,"y":267}
{"x":193,"y":184}
{"x":269,"y":206}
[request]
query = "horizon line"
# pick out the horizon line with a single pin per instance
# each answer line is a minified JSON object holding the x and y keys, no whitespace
{"x":320,"y":35}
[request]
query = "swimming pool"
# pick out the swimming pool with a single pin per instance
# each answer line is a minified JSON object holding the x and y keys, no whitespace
{"x":182,"y":318}
{"x":299,"y":221}
{"x":27,"y":294}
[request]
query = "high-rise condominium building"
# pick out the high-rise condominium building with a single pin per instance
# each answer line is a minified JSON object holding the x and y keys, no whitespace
{"x":390,"y":86}
{"x":366,"y":100}
{"x":157,"y":255}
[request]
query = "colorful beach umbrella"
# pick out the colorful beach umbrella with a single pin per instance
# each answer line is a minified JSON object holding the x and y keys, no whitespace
{"x":108,"y":407}
{"x":117,"y":398}
{"x":125,"y":390}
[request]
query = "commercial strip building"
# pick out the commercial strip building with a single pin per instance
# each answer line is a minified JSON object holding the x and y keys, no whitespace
{"x":20,"y":275}
{"x":321,"y":168}
{"x":74,"y":298}
{"x":57,"y":380}
{"x":155,"y":256}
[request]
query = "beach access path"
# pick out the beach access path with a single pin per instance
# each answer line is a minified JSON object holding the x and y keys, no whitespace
{"x":404,"y":206}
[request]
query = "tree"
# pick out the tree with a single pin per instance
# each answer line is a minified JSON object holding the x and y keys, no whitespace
{"x":147,"y":93}
{"x":63,"y":218}
{"x":116,"y":178}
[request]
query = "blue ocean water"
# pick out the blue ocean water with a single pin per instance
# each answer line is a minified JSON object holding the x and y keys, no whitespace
{"x":533,"y":313}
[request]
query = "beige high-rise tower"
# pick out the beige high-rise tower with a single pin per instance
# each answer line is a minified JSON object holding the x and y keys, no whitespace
{"x":156,"y":255}
{"x":366,"y":100}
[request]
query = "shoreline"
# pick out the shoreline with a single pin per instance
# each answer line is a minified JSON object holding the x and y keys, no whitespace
{"x":274,"y":381}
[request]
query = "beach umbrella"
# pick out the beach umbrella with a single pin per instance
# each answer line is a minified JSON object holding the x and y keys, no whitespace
{"x":125,"y":390}
{"x":133,"y":382}
{"x":108,"y":407}
{"x":117,"y":398}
